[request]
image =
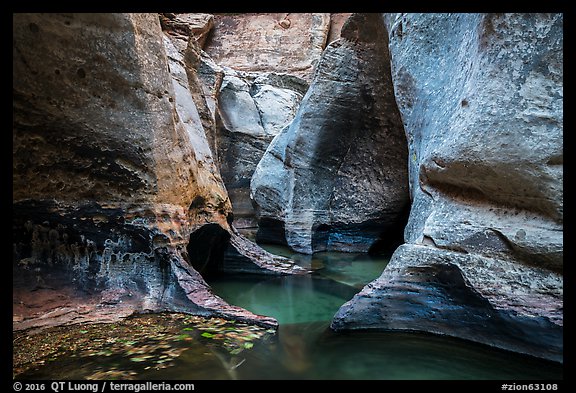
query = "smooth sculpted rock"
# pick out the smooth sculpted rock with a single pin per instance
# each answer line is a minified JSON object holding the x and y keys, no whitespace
{"x":493,"y":301}
{"x":336,"y":178}
{"x":251,"y":110}
{"x":112,"y":174}
{"x":481,"y":97}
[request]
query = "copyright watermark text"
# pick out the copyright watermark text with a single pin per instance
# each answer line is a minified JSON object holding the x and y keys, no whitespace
{"x":99,"y":387}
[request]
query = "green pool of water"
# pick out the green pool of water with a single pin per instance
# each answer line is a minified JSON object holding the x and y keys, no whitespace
{"x":306,"y":348}
{"x":165,"y":347}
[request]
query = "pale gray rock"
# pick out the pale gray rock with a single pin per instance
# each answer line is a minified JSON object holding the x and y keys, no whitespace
{"x":251,"y":110}
{"x":336,"y":178}
{"x":238,"y":111}
{"x":481,"y":97}
{"x":277,"y":107}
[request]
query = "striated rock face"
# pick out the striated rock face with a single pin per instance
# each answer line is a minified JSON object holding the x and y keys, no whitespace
{"x":273,"y":42}
{"x":336,"y":178}
{"x":182,"y":26}
{"x":240,"y":111}
{"x":481,"y":98}
{"x":249,"y":115}
{"x":112,"y":174}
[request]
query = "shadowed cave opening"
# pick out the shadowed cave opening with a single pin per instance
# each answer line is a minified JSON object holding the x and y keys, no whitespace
{"x":392,"y":236}
{"x":206,"y":249}
{"x":383,"y":236}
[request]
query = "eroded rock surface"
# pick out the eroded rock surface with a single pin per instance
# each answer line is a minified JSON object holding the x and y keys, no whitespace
{"x":274,"y":42}
{"x":252,"y":110}
{"x":481,"y":97}
{"x":240,"y":111}
{"x":182,"y":26}
{"x":336,"y":178}
{"x":111,"y":170}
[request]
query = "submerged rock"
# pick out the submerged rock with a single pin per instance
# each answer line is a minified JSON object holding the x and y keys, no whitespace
{"x":336,"y":177}
{"x":481,"y":99}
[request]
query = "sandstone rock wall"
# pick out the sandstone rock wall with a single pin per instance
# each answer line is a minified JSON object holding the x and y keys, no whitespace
{"x":481,"y":98}
{"x":336,"y":178}
{"x":252,"y":110}
{"x":274,"y":42}
{"x":125,"y":139}
{"x":336,"y":22}
{"x":111,"y":169}
{"x":242,"y":111}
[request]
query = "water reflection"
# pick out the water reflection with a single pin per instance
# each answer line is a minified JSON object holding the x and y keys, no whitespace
{"x":306,"y":348}
{"x":158,"y":347}
{"x":289,"y":299}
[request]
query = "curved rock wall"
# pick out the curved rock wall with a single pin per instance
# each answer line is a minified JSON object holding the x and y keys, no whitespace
{"x":120,"y":132}
{"x":251,"y":111}
{"x":336,"y":178}
{"x":251,"y":88}
{"x":481,"y":99}
{"x":111,"y":171}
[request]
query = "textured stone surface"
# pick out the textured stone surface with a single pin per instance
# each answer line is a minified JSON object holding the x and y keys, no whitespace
{"x":278,"y":42}
{"x":336,"y":22}
{"x":277,"y":106}
{"x":63,"y":84}
{"x":188,"y":99}
{"x":204,"y":76}
{"x":493,"y":301}
{"x":336,"y":178}
{"x":251,"y":110}
{"x":182,"y":26}
{"x":111,"y":170}
{"x":240,"y":111}
{"x":481,"y":98}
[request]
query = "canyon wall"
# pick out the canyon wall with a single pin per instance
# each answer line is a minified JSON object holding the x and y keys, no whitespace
{"x":266,"y":62}
{"x":336,"y":178}
{"x":141,"y":140}
{"x":481,"y":98}
{"x":254,"y":69}
{"x":113,"y":174}
{"x":288,"y":43}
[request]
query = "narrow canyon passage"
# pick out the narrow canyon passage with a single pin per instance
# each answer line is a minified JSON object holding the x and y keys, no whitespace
{"x":278,"y":190}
